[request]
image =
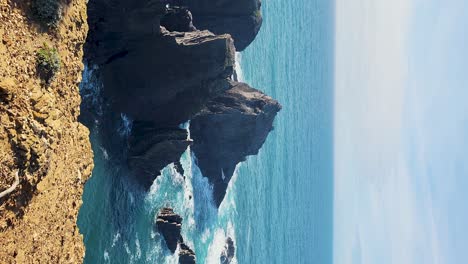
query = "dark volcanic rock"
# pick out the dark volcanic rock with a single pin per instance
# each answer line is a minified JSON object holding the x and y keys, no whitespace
{"x":152,"y":74}
{"x":152,"y":148}
{"x":166,"y":79}
{"x":161,"y":78}
{"x":178,"y":19}
{"x":169,"y":225}
{"x":232,"y":126}
{"x":186,"y":255}
{"x":228,"y":253}
{"x":239,"y":18}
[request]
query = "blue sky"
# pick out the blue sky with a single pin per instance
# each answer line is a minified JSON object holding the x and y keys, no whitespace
{"x":401,"y":129}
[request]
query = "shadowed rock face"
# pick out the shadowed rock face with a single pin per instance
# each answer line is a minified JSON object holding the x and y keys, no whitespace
{"x":163,"y":78}
{"x":152,"y":148}
{"x":232,"y":126}
{"x":169,"y":224}
{"x":186,"y":255}
{"x":239,"y":18}
{"x":178,"y":19}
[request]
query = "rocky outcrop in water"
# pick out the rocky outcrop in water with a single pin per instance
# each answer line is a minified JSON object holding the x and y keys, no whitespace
{"x":239,"y":18}
{"x":186,"y":255}
{"x":228,"y":253}
{"x":161,"y":146}
{"x":160,"y":70}
{"x":231,"y":127}
{"x":169,"y":224}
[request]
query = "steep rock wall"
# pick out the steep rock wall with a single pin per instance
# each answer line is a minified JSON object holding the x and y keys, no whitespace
{"x":40,"y":138}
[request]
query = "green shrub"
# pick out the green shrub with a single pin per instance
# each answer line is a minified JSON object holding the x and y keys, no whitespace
{"x":48,"y":62}
{"x":48,"y":12}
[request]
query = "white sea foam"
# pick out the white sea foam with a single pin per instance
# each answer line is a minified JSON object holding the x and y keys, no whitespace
{"x":104,"y":153}
{"x":106,"y":256}
{"x":115,"y":239}
{"x":218,"y":244}
{"x":240,"y":74}
{"x":138,"y":248}
{"x":125,"y":127}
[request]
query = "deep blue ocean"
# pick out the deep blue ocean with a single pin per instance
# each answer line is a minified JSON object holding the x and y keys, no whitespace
{"x":279,"y":205}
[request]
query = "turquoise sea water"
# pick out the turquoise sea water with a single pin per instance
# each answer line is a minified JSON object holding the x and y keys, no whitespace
{"x":279,"y":205}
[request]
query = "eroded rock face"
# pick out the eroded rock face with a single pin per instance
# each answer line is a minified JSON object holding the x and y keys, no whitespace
{"x":152,"y":148}
{"x":166,"y":79}
{"x":178,"y":19}
{"x":160,"y":76}
{"x":169,"y":224}
{"x":228,"y":253}
{"x":41,"y":140}
{"x":239,"y":18}
{"x":186,"y":255}
{"x":153,"y":74}
{"x":231,"y":126}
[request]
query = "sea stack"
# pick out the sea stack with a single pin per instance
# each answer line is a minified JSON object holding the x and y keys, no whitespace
{"x":231,"y":127}
{"x":169,"y":224}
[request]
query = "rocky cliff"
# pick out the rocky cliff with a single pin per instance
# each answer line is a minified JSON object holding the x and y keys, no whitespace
{"x":41,"y":141}
{"x":162,"y":78}
{"x":241,"y":19}
{"x":231,"y":127}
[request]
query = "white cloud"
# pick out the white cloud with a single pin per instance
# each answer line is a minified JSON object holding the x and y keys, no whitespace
{"x":400,"y":132}
{"x":377,"y":210}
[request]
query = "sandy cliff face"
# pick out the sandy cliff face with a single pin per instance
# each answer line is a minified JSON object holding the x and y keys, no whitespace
{"x":40,"y":138}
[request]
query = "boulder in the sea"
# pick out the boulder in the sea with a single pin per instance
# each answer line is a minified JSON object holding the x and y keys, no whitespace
{"x":228,"y":253}
{"x":169,"y":225}
{"x":186,"y":255}
{"x":231,"y":127}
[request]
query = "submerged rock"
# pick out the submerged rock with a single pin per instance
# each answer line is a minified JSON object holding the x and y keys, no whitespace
{"x":231,"y":126}
{"x":228,"y":253}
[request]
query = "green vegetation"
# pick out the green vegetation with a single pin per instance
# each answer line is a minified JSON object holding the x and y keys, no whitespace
{"x":48,"y":62}
{"x":48,"y":12}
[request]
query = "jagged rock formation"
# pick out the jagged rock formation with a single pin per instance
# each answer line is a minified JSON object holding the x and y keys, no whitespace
{"x":239,"y":18}
{"x":178,"y":19}
{"x":231,"y":126}
{"x":169,"y":77}
{"x":228,"y":253}
{"x":169,"y":224}
{"x":186,"y":255}
{"x":160,"y":76}
{"x":41,"y":139}
{"x":161,"y":146}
